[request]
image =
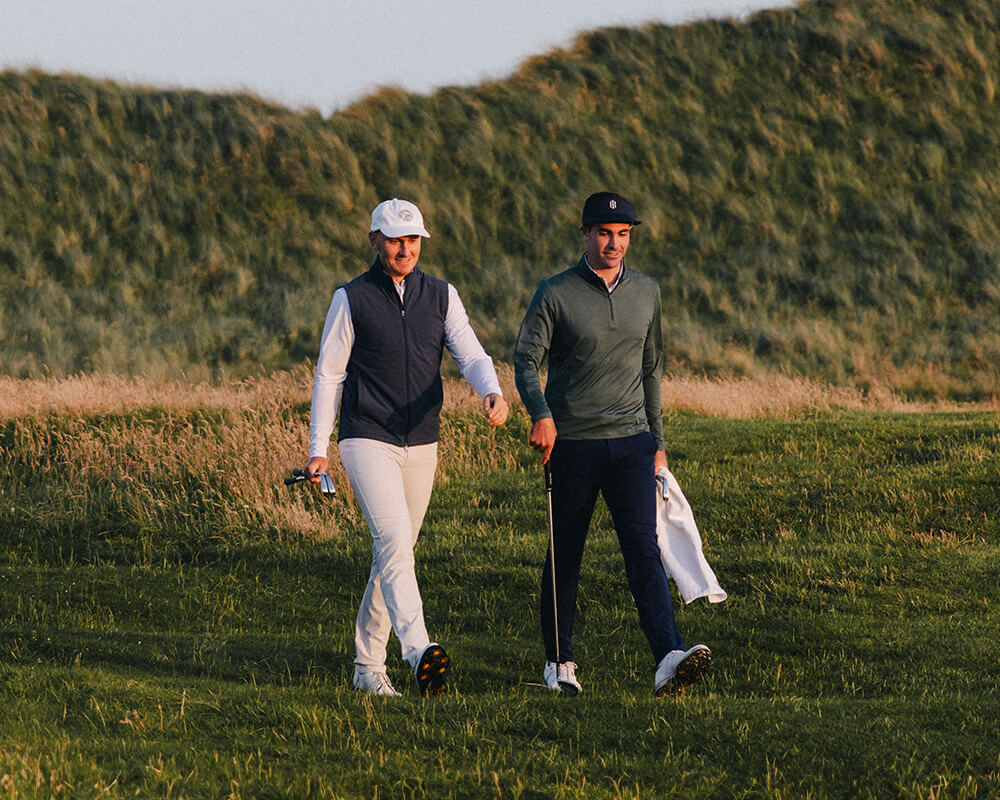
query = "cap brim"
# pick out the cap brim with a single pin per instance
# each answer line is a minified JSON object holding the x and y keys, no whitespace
{"x":404,"y":230}
{"x":615,"y":218}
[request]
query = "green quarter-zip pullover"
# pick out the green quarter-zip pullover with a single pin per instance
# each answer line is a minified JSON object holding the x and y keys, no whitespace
{"x":604,"y":352}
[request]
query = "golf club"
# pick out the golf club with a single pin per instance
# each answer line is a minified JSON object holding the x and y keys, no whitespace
{"x":325,"y":482}
{"x":569,"y":688}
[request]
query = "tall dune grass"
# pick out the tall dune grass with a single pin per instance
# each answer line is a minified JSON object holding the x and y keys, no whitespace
{"x":819,"y":186}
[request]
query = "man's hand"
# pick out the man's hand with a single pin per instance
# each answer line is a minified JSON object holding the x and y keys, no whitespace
{"x":543,"y":437}
{"x":316,"y":465}
{"x":496,"y":409}
{"x":660,"y":460}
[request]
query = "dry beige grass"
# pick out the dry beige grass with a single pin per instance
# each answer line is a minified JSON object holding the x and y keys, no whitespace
{"x":212,"y":475}
{"x":736,"y":397}
{"x":228,"y":446}
{"x":103,"y":394}
{"x":781,"y":396}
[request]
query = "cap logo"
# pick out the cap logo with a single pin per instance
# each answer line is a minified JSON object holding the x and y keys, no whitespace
{"x":405,"y":215}
{"x":613,"y":204}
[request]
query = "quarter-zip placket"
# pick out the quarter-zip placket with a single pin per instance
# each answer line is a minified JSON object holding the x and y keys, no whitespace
{"x":406,"y":366}
{"x":612,"y":321}
{"x":598,"y":283}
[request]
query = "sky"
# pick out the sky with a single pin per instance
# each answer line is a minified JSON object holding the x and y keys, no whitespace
{"x":321,"y":54}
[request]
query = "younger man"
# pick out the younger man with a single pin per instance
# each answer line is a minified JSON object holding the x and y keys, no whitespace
{"x":597,"y":324}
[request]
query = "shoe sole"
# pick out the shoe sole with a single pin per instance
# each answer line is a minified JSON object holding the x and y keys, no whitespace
{"x":691,"y":670}
{"x":431,"y":672}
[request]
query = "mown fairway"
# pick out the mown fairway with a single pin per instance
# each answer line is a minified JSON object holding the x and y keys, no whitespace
{"x":176,"y":623}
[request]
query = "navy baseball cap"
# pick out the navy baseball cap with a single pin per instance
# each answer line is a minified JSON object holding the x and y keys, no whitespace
{"x":608,"y":207}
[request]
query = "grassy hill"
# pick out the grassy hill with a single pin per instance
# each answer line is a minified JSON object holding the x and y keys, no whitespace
{"x":821,"y":191}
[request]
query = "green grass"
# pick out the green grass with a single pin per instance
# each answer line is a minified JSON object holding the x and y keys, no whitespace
{"x":206,"y":650}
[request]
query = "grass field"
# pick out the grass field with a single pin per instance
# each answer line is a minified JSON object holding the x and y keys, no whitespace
{"x":175,"y":623}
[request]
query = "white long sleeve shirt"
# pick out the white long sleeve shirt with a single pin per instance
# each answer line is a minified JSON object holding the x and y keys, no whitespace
{"x":335,"y":351}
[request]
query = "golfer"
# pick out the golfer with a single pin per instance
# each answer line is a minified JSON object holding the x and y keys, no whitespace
{"x":379,"y":360}
{"x":598,"y":420}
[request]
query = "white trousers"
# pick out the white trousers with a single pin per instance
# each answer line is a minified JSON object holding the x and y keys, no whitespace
{"x":393,"y":487}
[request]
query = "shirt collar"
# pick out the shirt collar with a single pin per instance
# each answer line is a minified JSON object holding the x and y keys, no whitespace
{"x":610,"y":286}
{"x":378,"y":268}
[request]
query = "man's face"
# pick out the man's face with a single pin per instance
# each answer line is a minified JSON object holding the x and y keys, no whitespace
{"x":606,"y":244}
{"x":398,"y":255}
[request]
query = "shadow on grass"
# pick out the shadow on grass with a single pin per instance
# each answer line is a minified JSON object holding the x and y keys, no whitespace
{"x":240,"y":659}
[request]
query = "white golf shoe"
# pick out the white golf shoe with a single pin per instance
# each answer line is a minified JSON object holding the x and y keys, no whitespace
{"x":374,"y":682}
{"x":679,"y":668}
{"x":562,"y":678}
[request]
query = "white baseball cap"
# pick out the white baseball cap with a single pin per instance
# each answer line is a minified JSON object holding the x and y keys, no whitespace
{"x":398,"y":218}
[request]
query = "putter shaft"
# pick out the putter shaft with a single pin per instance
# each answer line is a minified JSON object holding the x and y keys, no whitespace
{"x":552,"y":556}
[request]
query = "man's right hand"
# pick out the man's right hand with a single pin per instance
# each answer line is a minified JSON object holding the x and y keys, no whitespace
{"x":543,"y":437}
{"x":316,"y":465}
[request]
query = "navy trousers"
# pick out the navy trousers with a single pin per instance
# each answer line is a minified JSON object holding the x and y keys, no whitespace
{"x":622,"y":471}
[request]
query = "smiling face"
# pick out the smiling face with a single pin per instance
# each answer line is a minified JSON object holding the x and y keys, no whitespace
{"x":399,"y":254}
{"x":607,"y":243}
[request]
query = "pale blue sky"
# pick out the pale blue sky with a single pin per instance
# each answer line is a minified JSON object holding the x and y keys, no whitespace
{"x":310,"y":53}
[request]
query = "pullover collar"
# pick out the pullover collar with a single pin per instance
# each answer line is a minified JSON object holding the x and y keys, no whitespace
{"x":609,"y":286}
{"x":584,"y":270}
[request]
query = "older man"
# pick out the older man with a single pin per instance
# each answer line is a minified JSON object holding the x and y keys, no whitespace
{"x":380,"y":360}
{"x":597,"y":324}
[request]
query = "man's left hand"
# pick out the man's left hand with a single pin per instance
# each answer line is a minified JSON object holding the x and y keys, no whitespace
{"x":496,"y":409}
{"x":660,"y":460}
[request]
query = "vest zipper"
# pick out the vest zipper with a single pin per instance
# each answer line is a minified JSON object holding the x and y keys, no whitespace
{"x":406,"y":372}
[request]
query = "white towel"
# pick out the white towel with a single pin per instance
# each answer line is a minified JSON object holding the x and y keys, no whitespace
{"x":680,"y":543}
